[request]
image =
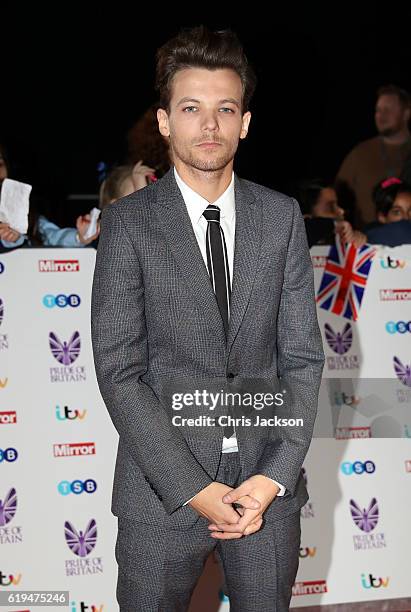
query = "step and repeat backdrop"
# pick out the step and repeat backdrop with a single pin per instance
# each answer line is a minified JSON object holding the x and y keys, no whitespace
{"x":58,"y":445}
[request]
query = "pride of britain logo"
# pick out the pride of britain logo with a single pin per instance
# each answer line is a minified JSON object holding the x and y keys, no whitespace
{"x":366,"y":520}
{"x":82,"y":543}
{"x":340,"y":342}
{"x":403,"y":371}
{"x":8,"y":508}
{"x":66,"y":353}
{"x":4,"y":341}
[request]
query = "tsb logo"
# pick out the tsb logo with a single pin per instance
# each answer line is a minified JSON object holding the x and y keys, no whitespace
{"x":402,"y":327}
{"x":358,"y":467}
{"x":61,"y":300}
{"x":8,"y":454}
{"x":77,"y":486}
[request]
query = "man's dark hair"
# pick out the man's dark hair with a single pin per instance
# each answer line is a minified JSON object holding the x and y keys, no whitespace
{"x":393,"y":90}
{"x":199,"y":47}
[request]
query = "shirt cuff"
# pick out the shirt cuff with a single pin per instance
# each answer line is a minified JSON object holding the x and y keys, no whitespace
{"x":281,"y":492}
{"x":189,"y":500}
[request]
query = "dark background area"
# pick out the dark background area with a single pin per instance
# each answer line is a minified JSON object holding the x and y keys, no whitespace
{"x":73,"y":84}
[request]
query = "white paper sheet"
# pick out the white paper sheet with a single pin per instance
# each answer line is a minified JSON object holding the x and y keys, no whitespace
{"x":14,"y":204}
{"x":94,"y":215}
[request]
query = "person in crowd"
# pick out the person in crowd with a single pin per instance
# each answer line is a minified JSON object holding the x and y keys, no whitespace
{"x":379,"y":157}
{"x":41,"y":231}
{"x":121,"y":181}
{"x":146,"y":143}
{"x":124,"y":180}
{"x":392,"y":198}
{"x":323,"y":217}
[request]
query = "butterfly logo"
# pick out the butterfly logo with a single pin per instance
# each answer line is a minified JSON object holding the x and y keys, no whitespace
{"x":8,"y":507}
{"x":403,"y":372}
{"x":340,"y":343}
{"x":365,"y":519}
{"x":65,"y":352}
{"x":81,"y":544}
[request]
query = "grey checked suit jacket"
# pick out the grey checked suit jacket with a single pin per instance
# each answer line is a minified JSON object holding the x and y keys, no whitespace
{"x":155,"y":319}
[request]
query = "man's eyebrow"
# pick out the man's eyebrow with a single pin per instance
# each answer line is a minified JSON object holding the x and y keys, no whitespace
{"x":184,"y":100}
{"x":230,"y":101}
{"x":225,"y":101}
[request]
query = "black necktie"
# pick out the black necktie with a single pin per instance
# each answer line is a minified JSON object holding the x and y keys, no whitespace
{"x":217,"y":263}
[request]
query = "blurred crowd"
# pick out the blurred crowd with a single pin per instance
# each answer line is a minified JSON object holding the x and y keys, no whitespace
{"x":368,"y":201}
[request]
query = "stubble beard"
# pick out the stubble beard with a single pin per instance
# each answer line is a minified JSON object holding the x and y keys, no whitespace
{"x":214,"y":163}
{"x":388,"y":132}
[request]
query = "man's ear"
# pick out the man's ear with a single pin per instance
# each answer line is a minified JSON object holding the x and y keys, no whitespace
{"x":163,"y":124}
{"x":381,"y":218}
{"x":245,"y":123}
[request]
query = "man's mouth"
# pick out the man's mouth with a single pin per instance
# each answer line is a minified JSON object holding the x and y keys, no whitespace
{"x":208,"y":144}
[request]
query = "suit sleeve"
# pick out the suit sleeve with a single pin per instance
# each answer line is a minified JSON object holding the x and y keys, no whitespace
{"x":119,"y":339}
{"x":300,"y":360}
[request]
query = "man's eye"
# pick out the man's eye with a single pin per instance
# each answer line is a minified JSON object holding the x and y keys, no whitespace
{"x":189,"y":108}
{"x":225,"y":108}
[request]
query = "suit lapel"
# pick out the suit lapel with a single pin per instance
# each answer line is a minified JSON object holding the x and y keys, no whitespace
{"x":176,"y":226}
{"x":246,"y":252}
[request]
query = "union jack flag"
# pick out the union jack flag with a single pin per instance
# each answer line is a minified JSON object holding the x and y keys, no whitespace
{"x":344,"y":279}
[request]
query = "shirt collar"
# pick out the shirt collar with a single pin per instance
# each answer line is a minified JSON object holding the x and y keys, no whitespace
{"x":196,"y":204}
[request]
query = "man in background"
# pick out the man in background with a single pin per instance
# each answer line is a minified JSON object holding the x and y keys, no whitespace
{"x":382,"y":156}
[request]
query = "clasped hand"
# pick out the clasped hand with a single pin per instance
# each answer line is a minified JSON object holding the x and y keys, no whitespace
{"x":215,"y":501}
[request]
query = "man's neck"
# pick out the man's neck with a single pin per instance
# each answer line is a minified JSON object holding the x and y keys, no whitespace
{"x":398,"y":138}
{"x":209,"y":185}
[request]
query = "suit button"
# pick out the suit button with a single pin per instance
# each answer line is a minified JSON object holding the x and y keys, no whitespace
{"x":146,"y":479}
{"x":160,"y":498}
{"x":230,"y":375}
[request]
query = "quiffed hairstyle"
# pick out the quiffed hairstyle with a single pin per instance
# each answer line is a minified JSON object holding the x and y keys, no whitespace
{"x":201,"y":48}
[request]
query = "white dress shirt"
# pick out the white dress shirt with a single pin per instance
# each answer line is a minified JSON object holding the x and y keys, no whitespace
{"x":196,"y":205}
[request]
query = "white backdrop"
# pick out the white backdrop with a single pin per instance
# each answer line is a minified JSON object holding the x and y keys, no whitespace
{"x":58,"y":445}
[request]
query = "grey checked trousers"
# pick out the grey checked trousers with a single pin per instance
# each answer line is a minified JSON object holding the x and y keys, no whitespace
{"x":159,"y":567}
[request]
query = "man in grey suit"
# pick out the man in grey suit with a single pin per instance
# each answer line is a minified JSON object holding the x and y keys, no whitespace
{"x":203,"y":281}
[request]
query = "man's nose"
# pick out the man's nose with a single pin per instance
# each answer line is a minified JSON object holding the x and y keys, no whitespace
{"x":210,"y":121}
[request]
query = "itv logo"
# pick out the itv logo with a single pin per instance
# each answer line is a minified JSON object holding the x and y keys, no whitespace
{"x":10,"y":579}
{"x":83,"y":607}
{"x":389,"y":263}
{"x":369,"y":582}
{"x":66,"y":413}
